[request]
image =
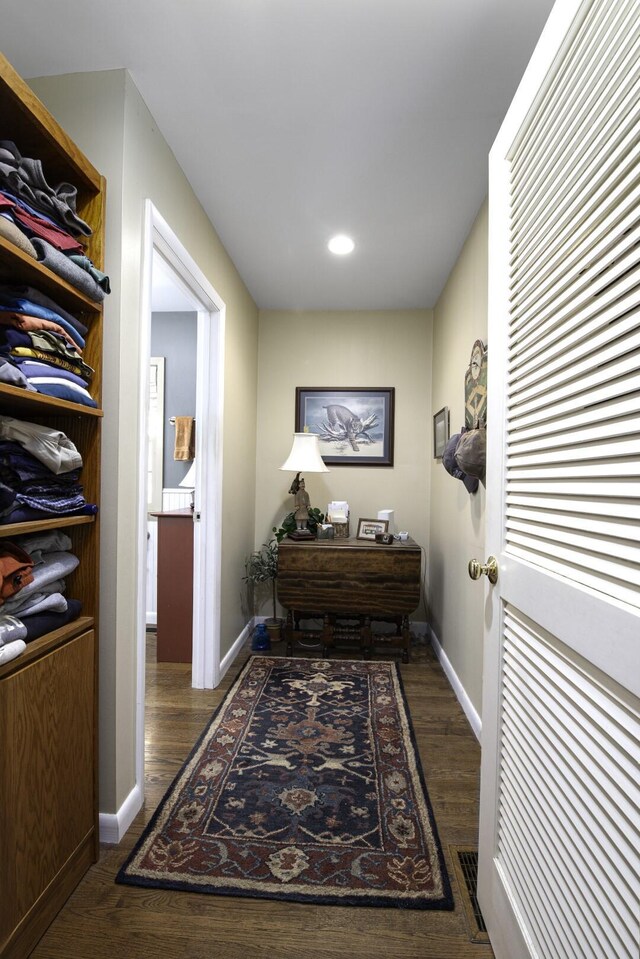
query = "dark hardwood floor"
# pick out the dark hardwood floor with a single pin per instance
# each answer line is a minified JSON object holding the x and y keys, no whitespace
{"x":102,"y":920}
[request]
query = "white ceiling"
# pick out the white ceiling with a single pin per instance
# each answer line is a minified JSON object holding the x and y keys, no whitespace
{"x":297,"y":119}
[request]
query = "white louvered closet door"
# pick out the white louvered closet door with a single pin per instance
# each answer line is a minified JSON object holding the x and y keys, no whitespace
{"x":559,"y":870}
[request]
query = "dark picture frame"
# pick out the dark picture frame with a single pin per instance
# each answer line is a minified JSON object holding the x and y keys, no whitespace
{"x":440,"y":431}
{"x":368,"y":528}
{"x":355,"y":425}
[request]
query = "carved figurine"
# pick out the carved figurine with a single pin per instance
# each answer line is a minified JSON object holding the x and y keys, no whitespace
{"x":302,"y":504}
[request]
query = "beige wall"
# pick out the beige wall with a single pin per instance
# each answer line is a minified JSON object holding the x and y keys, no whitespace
{"x":108,"y":120}
{"x":379,"y":349}
{"x":457,"y":519}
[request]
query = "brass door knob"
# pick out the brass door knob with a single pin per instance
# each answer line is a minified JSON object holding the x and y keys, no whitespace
{"x":490,"y":569}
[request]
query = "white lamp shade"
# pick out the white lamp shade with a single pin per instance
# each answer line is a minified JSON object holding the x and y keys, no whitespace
{"x":189,"y":481}
{"x":305,"y":455}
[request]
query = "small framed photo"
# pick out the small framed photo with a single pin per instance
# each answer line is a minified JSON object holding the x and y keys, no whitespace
{"x":367,"y":528}
{"x":440,"y":431}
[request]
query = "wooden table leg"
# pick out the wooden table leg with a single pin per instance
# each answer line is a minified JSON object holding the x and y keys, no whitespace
{"x":365,"y":637}
{"x":327,"y":635}
{"x":406,"y":639}
{"x":289,"y":632}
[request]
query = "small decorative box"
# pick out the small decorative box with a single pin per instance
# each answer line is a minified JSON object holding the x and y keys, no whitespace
{"x":324,"y":531}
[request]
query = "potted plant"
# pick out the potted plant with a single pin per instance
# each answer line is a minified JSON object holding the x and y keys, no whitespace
{"x":289,"y":523}
{"x":262,"y":567}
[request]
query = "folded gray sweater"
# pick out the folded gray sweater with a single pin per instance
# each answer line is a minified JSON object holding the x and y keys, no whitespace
{"x":58,"y":263}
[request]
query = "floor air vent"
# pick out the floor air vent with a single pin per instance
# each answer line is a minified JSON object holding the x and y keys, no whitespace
{"x":465,"y":862}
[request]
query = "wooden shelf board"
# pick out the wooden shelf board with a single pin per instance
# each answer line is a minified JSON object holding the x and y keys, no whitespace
{"x":41,"y":404}
{"x":37,"y":525}
{"x":45,"y":644}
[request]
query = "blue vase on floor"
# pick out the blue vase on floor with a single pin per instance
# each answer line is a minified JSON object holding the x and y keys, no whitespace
{"x":260,"y":641}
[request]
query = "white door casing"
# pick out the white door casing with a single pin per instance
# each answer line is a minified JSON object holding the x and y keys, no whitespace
{"x":559,"y":866}
{"x":155,"y":434}
{"x":208,"y":493}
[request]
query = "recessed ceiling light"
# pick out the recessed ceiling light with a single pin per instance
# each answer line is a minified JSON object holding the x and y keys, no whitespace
{"x":341,"y":244}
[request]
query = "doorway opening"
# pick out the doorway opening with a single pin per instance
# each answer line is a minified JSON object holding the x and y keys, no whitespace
{"x":166,"y":263}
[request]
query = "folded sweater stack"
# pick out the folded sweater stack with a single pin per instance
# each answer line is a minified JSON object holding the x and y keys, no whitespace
{"x":38,"y":605}
{"x":39,"y":473}
{"x":41,"y":346}
{"x":42,"y":221}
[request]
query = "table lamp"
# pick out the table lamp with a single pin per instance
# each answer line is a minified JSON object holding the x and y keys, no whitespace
{"x":303,"y":458}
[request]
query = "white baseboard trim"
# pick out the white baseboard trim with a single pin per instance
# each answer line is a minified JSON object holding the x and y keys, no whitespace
{"x":467,"y":706}
{"x":113,"y":826}
{"x":235,"y":649}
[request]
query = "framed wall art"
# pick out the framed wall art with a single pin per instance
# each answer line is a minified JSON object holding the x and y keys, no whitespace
{"x":440,"y":431}
{"x":354,"y":425}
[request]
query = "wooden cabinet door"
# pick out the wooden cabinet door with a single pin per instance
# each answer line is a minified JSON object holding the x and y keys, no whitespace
{"x":47,"y":718}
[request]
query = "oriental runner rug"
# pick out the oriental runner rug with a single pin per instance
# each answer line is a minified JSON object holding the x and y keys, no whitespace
{"x":307,"y":786}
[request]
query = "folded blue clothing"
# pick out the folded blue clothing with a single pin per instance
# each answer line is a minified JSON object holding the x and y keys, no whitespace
{"x":7,"y":498}
{"x":51,"y":498}
{"x":28,"y":308}
{"x":63,"y":391}
{"x":45,"y":340}
{"x":10,"y":293}
{"x":36,"y":486}
{"x":13,"y":337}
{"x":42,"y":623}
{"x":43,"y":345}
{"x":19,"y":464}
{"x":32,"y":368}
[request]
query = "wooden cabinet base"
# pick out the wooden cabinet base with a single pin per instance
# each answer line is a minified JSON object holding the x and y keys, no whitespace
{"x":349,"y":585}
{"x":48,"y":837}
{"x":34,"y":924}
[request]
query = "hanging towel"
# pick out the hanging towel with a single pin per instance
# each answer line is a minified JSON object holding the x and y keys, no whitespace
{"x":185,"y":448}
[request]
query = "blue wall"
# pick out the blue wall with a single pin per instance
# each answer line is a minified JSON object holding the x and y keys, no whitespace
{"x":174,"y":336}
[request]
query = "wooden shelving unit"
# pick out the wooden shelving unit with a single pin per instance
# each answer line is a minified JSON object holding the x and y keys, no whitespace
{"x":48,"y":696}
